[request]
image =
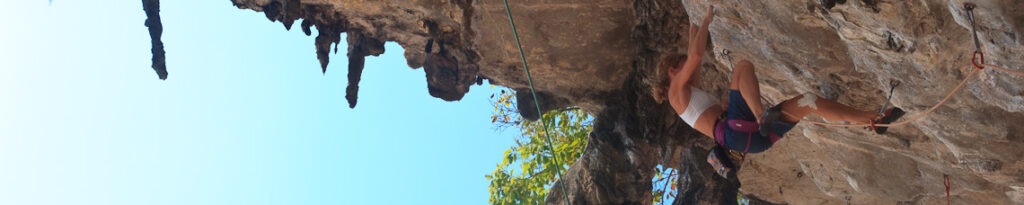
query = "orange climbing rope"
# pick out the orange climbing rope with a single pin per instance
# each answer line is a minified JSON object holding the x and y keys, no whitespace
{"x":1019,"y":73}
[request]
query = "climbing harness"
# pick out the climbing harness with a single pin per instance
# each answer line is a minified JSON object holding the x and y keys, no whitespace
{"x":533,"y":91}
{"x":979,"y":65}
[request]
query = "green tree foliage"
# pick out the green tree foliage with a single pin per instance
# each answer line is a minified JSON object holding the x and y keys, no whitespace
{"x":528,"y":169}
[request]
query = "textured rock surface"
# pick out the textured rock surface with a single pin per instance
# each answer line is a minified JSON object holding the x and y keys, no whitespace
{"x":601,"y":55}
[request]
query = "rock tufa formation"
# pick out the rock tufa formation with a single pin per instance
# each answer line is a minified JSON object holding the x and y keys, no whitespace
{"x":152,"y":9}
{"x":601,"y":55}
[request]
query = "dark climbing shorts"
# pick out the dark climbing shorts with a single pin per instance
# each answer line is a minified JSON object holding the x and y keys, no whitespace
{"x":746,"y":138}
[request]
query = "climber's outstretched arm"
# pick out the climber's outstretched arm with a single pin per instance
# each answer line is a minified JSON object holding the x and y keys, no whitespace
{"x":695,"y":51}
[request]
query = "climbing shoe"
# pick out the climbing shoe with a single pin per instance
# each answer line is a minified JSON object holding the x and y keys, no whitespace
{"x":890,"y":116}
{"x":720,"y":161}
{"x":769,"y":118}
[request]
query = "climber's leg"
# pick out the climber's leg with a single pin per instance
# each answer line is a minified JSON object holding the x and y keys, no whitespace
{"x":744,"y":80}
{"x":798,"y":107}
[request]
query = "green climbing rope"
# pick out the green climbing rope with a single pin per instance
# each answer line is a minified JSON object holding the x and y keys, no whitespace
{"x":533,"y":91}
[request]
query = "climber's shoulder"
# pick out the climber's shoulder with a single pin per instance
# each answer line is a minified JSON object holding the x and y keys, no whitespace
{"x":679,"y":96}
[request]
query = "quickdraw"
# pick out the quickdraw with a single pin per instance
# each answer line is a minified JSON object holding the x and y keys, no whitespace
{"x":969,"y":7}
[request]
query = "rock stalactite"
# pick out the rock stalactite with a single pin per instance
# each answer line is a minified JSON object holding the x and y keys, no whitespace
{"x":601,"y":55}
{"x":450,"y":72}
{"x":359,"y":47}
{"x":156,"y":28}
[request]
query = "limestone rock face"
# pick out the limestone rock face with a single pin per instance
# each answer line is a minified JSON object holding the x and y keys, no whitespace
{"x":601,"y":55}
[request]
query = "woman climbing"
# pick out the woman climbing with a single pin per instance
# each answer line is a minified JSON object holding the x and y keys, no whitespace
{"x":737,"y":127}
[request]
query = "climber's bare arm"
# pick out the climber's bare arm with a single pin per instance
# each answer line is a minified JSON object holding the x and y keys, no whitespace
{"x":698,"y":41}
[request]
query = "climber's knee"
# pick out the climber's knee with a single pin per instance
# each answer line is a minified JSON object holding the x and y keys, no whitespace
{"x":744,"y":64}
{"x":742,"y":68}
{"x":742,"y":73}
{"x":808,"y":100}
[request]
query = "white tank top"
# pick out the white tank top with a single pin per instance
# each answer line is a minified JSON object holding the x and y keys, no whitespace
{"x":700,"y":101}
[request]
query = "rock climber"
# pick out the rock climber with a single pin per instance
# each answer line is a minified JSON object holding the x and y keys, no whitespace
{"x":744,"y":126}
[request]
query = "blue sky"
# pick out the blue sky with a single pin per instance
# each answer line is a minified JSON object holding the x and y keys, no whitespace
{"x":245,"y":116}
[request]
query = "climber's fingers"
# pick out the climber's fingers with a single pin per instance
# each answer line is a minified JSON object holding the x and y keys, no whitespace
{"x":709,"y":15}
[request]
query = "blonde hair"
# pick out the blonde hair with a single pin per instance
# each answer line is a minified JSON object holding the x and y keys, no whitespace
{"x":660,"y":89}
